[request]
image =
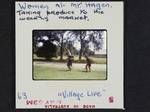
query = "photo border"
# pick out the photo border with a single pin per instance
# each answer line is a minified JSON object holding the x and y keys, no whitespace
{"x":71,"y":30}
{"x":70,"y":109}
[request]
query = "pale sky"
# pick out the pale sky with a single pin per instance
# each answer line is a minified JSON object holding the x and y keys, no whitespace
{"x":78,"y":46}
{"x":77,"y":42}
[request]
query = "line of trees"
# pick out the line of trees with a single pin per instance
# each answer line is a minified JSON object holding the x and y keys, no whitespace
{"x":66,"y":40}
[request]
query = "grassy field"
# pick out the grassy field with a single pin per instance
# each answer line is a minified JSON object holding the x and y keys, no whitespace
{"x":76,"y":59}
{"x":55,"y":70}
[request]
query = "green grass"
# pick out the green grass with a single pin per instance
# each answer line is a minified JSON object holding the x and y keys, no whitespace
{"x":51,"y":72}
{"x":96,"y":60}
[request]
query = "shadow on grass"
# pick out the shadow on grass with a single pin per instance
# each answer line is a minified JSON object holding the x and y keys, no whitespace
{"x":85,"y":71}
{"x":72,"y":70}
{"x":49,"y":60}
{"x":60,"y":61}
{"x":94,"y":61}
{"x":64,"y":70}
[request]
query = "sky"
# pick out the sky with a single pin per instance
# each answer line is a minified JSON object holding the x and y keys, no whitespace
{"x":91,"y":46}
{"x":77,"y":42}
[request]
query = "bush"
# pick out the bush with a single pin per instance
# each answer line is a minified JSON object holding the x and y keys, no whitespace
{"x":48,"y":50}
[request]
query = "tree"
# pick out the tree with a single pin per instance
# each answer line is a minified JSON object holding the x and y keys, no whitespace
{"x":55,"y":37}
{"x":95,"y":37}
{"x":80,"y":35}
{"x":47,"y":50}
{"x":82,"y":42}
{"x":60,"y":35}
{"x":86,"y":37}
{"x":49,"y":41}
{"x":43,"y":44}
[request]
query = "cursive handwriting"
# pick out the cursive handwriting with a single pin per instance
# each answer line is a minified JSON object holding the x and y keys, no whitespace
{"x":78,"y":94}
